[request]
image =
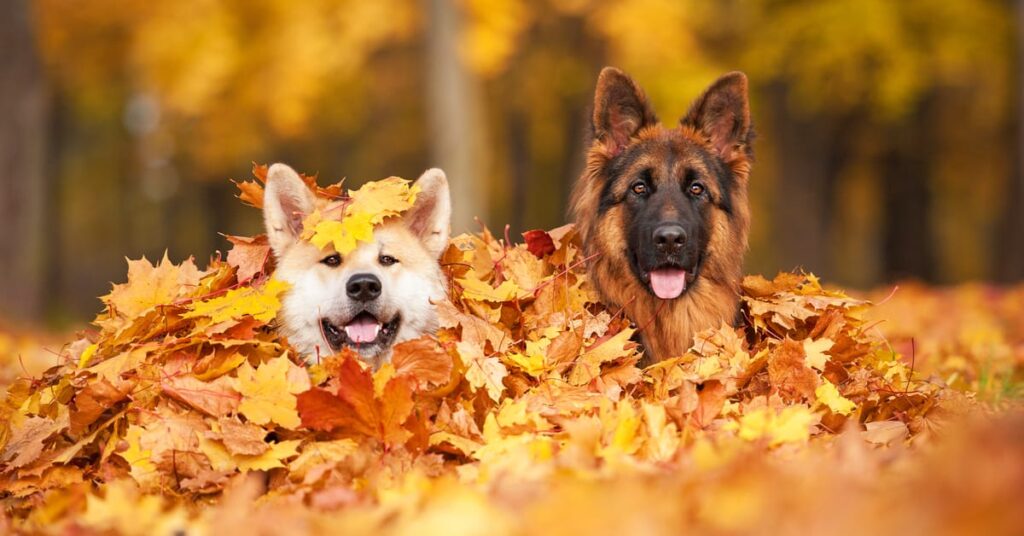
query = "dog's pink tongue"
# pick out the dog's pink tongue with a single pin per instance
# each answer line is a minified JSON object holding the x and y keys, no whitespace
{"x":668,"y":283}
{"x":362,"y":329}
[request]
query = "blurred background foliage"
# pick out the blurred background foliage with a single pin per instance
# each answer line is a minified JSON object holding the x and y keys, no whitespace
{"x":889,"y":132}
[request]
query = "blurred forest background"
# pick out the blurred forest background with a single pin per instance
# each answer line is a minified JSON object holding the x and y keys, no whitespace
{"x":889,"y":131}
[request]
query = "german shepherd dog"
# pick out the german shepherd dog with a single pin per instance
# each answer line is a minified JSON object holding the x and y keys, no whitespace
{"x":376,"y":296}
{"x":663,"y":211}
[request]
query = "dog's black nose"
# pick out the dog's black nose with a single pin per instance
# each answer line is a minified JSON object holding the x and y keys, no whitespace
{"x":363,"y":287}
{"x":669,"y":237}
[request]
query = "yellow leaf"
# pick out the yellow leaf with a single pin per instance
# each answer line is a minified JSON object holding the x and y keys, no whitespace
{"x":828,"y":395}
{"x":344,"y":235}
{"x":663,"y":437}
{"x":791,"y":425}
{"x":588,"y":366}
{"x":261,"y":303}
{"x":624,"y":423}
{"x":87,"y":354}
{"x":137,"y":458}
{"x":532,"y":361}
{"x":268,"y":392}
{"x":123,"y":510}
{"x":383,"y":198}
{"x":320,"y":452}
{"x":474,"y":289}
{"x":222,"y":460}
{"x":149,"y":286}
{"x":482,"y":371}
{"x":814,"y":352}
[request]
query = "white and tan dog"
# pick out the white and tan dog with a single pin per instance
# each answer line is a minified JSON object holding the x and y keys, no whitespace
{"x":380,"y":294}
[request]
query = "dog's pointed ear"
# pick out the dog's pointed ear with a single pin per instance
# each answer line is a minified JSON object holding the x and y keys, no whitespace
{"x":430,"y":216}
{"x":286,"y":202}
{"x":722,"y":115}
{"x":620,"y":109}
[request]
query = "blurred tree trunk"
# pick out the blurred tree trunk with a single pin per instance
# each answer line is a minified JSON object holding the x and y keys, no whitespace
{"x":520,"y":167}
{"x":1009,"y":251}
{"x":906,"y":174}
{"x":24,"y":107}
{"x":811,"y":155}
{"x":454,"y":115}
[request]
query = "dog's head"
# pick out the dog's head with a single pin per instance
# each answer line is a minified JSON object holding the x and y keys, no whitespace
{"x":665,"y":189}
{"x":379,"y":294}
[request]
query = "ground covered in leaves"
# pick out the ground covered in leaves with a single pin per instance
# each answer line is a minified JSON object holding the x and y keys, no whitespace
{"x":527,"y":413}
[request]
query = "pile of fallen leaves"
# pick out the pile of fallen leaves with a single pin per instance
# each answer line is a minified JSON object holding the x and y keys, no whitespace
{"x":526,"y":413}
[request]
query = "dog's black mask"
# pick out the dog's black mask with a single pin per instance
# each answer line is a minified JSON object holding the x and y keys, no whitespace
{"x":668,"y":190}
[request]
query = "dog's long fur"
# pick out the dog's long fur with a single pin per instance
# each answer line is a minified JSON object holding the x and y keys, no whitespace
{"x":318,"y":299}
{"x":712,"y":143}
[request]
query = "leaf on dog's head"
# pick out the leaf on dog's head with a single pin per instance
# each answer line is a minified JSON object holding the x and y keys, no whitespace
{"x":343,"y":235}
{"x":251,"y":192}
{"x":368,"y":206}
{"x":261,"y":303}
{"x":383,"y":199}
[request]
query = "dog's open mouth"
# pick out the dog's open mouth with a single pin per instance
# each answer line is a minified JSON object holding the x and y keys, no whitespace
{"x":669,"y":282}
{"x":362,"y":331}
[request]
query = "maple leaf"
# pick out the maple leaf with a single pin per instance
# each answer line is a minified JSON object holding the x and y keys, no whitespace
{"x":268,"y":392}
{"x":383,"y":198}
{"x":249,"y":255}
{"x":788,"y":372}
{"x":215,"y":398}
{"x":588,"y":366}
{"x":139,"y":458}
{"x":884,"y":432}
{"x":223,"y":460}
{"x":149,"y":286}
{"x":424,"y":362}
{"x":319,"y":409}
{"x":322,"y":452}
{"x":262,"y":303}
{"x":828,"y":395}
{"x":814,"y":352}
{"x":343,"y":235}
{"x":251,"y":193}
{"x":358,"y":406}
{"x":123,"y":510}
{"x":91,"y":402}
{"x":240,"y":438}
{"x":791,"y":425}
{"x":539,"y":242}
{"x":26,"y":440}
{"x":474,"y":289}
{"x":482,"y":372}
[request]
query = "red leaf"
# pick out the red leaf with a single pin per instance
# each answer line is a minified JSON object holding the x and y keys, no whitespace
{"x":355,"y":406}
{"x":355,"y":388}
{"x":321,"y":410}
{"x":423,"y":361}
{"x":539,"y":242}
{"x":249,"y":255}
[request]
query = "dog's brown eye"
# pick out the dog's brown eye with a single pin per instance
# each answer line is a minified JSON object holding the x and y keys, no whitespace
{"x":639,"y":188}
{"x":696,"y":189}
{"x":387,"y":260}
{"x":332,"y":260}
